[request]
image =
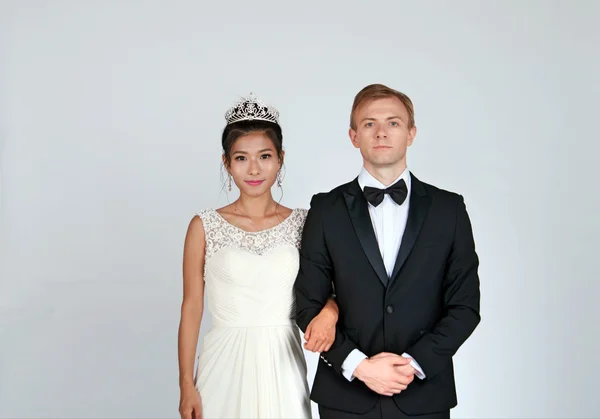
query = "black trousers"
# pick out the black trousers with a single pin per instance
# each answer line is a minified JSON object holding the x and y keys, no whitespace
{"x":384,"y":409}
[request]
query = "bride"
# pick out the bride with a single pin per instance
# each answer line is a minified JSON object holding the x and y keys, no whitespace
{"x":245,"y":257}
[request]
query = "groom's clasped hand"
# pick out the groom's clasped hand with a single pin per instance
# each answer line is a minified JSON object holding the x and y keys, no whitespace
{"x":386,"y":373}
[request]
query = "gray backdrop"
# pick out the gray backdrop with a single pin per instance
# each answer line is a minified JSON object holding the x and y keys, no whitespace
{"x":111,"y":113}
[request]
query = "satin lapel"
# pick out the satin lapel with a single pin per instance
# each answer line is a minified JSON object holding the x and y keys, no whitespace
{"x":361,"y":220}
{"x":419,"y":205}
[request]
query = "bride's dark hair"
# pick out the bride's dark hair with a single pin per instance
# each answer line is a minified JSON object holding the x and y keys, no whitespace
{"x":238,"y":129}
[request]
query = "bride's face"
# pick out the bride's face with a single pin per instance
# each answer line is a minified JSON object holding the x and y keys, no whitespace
{"x":254,"y":163}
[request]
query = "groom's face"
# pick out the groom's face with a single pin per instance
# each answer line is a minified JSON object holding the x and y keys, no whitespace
{"x":382,"y":132}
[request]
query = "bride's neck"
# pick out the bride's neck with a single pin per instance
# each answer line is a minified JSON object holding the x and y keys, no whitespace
{"x":256,"y":206}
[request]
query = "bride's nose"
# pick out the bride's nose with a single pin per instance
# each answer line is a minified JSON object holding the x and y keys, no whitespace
{"x":254,"y":168}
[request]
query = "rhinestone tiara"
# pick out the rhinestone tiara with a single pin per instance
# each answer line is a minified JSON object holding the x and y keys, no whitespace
{"x":251,"y":108}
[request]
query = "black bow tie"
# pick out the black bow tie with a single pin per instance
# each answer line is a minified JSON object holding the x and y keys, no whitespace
{"x":397,"y":192}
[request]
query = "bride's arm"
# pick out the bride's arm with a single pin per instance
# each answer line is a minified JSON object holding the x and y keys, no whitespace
{"x":192,"y":308}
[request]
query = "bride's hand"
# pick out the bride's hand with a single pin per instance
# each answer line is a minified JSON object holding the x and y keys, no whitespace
{"x":190,"y":404}
{"x":320,"y":332}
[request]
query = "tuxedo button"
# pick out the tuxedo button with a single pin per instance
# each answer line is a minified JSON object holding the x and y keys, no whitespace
{"x":389,"y":309}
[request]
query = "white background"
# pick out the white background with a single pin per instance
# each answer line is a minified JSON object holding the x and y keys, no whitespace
{"x":110,"y":122}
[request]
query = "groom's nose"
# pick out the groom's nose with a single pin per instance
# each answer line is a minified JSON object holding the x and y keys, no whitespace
{"x":381,"y":133}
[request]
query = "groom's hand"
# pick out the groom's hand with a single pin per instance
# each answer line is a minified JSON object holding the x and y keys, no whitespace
{"x":320,"y":333}
{"x":385,"y":373}
{"x":407,"y":369}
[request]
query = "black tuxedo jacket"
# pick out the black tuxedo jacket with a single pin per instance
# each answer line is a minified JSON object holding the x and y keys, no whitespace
{"x":427,"y":308}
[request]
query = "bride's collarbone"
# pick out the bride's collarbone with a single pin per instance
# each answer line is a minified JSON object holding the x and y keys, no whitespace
{"x":251,"y":225}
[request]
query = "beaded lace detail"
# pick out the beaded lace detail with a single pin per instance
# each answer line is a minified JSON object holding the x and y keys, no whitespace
{"x":220,"y":233}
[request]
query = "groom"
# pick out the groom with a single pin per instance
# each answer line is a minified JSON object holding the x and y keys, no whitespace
{"x":400,"y":256}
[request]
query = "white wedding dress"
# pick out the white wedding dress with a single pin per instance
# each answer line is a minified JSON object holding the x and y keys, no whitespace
{"x":251,"y":362}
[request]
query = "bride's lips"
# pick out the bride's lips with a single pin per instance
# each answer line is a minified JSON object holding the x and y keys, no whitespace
{"x":254,"y":182}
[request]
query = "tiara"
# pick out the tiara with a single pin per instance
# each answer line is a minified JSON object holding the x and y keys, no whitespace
{"x":251,"y":108}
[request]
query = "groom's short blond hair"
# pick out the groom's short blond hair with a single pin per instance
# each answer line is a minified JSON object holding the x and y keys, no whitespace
{"x":380,"y":91}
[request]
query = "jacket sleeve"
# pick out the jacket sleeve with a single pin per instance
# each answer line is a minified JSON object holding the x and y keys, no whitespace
{"x":313,"y":284}
{"x":461,"y":294}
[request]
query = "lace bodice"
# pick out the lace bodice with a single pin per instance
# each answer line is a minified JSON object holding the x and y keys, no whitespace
{"x":249,"y":276}
{"x":220,"y":233}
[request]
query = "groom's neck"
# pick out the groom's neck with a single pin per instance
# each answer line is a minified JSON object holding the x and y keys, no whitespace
{"x":385,"y":174}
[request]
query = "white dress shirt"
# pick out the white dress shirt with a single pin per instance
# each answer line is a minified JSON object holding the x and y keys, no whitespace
{"x":389,"y":223}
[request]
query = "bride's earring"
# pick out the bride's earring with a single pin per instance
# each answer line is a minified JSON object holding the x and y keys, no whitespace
{"x":229,"y":183}
{"x":279,"y":180}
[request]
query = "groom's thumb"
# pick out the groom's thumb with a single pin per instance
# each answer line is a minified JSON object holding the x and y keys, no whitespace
{"x":405,"y":360}
{"x":399,"y":360}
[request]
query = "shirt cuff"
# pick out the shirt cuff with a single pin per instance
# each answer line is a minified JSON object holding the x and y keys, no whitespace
{"x":419,"y":371}
{"x":351,"y":362}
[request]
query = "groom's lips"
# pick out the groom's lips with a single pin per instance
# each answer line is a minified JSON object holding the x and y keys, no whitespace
{"x":254,"y":182}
